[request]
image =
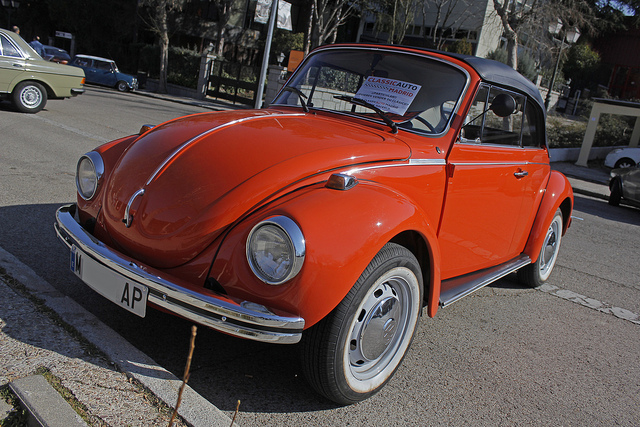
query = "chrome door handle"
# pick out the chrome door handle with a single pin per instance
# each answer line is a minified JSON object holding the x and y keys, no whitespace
{"x":520,"y":174}
{"x":18,"y":65}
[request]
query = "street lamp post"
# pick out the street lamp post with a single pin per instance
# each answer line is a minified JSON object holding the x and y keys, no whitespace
{"x":571,"y":35}
{"x":10,"y":5}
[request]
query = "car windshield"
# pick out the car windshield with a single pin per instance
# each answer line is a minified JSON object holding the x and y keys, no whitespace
{"x":417,"y":93}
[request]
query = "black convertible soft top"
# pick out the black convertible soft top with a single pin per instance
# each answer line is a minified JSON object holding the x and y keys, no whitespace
{"x":501,"y":74}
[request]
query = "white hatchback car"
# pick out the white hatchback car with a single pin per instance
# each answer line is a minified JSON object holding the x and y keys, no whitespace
{"x":623,"y":158}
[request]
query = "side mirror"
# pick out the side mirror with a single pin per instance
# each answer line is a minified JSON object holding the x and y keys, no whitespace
{"x":503,"y":105}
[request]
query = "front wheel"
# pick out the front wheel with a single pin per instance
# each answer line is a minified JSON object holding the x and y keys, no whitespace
{"x":624,"y":162}
{"x":616,"y":192}
{"x":537,"y":273}
{"x":29,"y":97}
{"x":122,"y":86}
{"x":356,"y":349}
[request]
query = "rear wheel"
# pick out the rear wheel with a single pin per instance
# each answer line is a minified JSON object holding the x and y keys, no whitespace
{"x":537,"y":273}
{"x":29,"y":97}
{"x":616,"y":192}
{"x":625,"y":162}
{"x":356,"y":349}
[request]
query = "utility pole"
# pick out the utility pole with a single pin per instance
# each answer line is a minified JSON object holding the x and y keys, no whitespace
{"x":267,"y":49}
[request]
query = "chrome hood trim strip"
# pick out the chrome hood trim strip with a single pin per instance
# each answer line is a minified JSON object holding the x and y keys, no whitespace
{"x":207,"y":132}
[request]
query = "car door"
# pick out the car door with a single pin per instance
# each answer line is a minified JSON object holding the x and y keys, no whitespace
{"x":631,"y":184}
{"x":495,"y":172}
{"x":105,"y":73}
{"x":12,"y":63}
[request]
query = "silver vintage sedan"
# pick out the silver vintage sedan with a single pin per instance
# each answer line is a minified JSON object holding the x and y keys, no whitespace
{"x":28,"y":81}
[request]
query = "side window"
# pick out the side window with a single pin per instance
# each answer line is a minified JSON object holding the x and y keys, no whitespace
{"x":533,"y":127}
{"x":483,"y":126}
{"x":8,"y":49}
{"x":503,"y":130}
{"x":101,"y":65}
{"x":475,"y":117}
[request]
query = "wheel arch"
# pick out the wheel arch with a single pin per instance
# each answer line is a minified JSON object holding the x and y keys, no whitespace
{"x":558,"y":195}
{"x":423,"y":250}
{"x":31,"y":79}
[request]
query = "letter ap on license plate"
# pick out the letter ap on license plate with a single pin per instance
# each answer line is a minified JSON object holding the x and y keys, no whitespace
{"x":117,"y":288}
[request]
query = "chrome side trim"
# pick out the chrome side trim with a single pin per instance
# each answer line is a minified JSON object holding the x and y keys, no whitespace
{"x":497,"y":163}
{"x":243,"y":319}
{"x":427,"y":162}
{"x":459,"y":287}
{"x":412,"y":162}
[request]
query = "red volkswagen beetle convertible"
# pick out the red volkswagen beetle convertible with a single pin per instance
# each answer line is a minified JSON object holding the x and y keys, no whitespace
{"x":382,"y":182}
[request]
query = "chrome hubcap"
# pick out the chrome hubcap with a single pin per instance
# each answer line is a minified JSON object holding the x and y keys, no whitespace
{"x":550,"y":249}
{"x":380,"y":327}
{"x":30,"y":96}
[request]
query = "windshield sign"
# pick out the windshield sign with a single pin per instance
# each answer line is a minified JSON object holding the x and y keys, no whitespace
{"x":391,"y":96}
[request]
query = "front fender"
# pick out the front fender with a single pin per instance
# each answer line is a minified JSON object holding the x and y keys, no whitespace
{"x":558,"y":194}
{"x":343,"y":231}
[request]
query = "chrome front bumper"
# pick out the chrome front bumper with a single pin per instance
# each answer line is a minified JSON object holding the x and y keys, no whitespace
{"x":243,"y":319}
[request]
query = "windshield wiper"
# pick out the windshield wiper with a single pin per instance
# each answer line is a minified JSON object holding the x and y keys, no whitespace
{"x":379,"y":112}
{"x":301,"y":96}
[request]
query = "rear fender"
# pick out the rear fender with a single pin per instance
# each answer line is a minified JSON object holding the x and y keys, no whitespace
{"x":343,"y":232}
{"x":558,"y":194}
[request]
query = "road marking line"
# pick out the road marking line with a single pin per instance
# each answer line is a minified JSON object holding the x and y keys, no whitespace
{"x":591,"y":303}
{"x":71,"y":129}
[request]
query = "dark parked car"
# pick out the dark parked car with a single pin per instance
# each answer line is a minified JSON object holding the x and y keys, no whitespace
{"x":625,"y":185}
{"x":55,"y":54}
{"x":102,"y":71}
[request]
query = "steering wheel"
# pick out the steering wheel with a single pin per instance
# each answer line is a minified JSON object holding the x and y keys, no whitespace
{"x":425,"y":122}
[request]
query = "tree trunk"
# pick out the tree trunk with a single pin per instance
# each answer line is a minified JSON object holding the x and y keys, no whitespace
{"x":164,"y":47}
{"x":512,"y":51}
{"x":307,"y":38}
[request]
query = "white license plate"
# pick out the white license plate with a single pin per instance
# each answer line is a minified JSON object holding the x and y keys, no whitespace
{"x":117,"y":288}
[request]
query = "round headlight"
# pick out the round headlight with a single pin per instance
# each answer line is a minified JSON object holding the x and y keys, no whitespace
{"x":88,"y":173}
{"x":276,"y":250}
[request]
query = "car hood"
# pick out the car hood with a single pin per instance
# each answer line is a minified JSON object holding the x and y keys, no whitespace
{"x":202,"y":172}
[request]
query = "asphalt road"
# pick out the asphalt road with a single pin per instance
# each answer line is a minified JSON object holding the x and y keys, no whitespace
{"x":506,"y":355}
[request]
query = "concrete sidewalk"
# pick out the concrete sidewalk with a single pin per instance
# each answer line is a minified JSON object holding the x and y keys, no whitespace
{"x":113,"y":383}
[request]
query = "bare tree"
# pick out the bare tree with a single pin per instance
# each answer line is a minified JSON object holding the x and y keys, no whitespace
{"x":158,"y":21}
{"x":532,"y":18}
{"x":326,"y":16}
{"x":224,"y":9}
{"x":448,"y":19}
{"x":393,"y":17}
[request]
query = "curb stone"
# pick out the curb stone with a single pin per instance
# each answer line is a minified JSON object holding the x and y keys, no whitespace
{"x":37,"y":396}
{"x":194,"y":409}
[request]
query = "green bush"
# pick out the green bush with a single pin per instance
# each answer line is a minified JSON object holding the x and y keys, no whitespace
{"x":612,"y":130}
{"x":563,"y":133}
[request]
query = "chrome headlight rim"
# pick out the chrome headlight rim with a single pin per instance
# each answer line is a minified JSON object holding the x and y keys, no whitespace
{"x":97,"y":166}
{"x":296,"y":242}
